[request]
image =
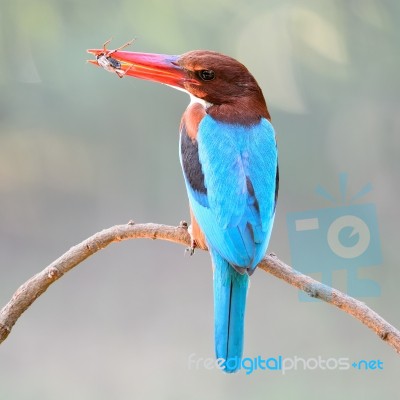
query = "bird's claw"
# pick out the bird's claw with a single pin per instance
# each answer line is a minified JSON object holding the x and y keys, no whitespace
{"x":189,"y":250}
{"x":193,"y":243}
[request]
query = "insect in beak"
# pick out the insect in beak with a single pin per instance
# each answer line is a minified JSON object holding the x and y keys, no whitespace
{"x":105,"y":60}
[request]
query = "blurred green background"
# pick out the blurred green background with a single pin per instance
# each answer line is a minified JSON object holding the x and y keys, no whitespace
{"x":81,"y":150}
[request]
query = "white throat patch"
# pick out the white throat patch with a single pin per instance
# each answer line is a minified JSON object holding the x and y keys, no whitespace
{"x":193,"y":99}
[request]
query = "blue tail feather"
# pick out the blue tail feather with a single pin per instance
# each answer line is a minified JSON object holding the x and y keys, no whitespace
{"x":230,"y":291}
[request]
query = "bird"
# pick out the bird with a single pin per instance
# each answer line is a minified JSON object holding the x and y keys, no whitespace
{"x":229,"y":158}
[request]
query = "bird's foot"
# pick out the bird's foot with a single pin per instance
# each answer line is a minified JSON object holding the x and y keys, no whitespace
{"x":189,"y":250}
{"x":193,"y":243}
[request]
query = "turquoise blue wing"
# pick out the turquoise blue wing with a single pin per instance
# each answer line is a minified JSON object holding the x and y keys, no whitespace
{"x":231,"y":181}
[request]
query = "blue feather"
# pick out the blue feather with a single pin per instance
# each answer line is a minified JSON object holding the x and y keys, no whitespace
{"x":235,"y":209}
{"x":235,"y":221}
{"x":230,"y":290}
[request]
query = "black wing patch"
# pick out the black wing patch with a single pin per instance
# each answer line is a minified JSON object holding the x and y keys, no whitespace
{"x":276,"y":185}
{"x":191,"y":163}
{"x":250,"y":190}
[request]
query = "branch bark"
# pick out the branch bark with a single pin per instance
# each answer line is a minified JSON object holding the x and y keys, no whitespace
{"x":38,"y":284}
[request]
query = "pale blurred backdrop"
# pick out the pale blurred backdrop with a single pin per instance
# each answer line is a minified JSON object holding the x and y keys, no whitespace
{"x":81,"y":150}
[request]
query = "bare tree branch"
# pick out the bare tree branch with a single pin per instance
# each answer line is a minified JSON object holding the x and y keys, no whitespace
{"x":38,"y":284}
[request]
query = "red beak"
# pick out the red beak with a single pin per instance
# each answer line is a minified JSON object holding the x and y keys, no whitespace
{"x":153,"y":67}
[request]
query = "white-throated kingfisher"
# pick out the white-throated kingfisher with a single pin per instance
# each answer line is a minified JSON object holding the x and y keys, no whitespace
{"x":229,"y":160}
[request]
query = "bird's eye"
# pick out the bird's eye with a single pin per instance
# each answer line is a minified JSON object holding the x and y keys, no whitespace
{"x":206,"y":74}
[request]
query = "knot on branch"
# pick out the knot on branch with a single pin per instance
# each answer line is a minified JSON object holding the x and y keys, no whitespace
{"x":54,"y":273}
{"x":384,"y":335}
{"x":183,"y":225}
{"x":5,"y":328}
